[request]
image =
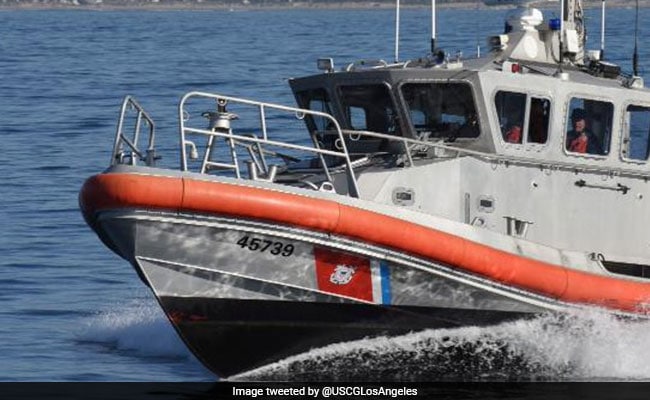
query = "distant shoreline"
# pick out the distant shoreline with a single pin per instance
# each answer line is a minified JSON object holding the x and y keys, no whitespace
{"x":246,"y":5}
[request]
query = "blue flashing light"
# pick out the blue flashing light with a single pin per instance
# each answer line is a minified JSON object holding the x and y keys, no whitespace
{"x":554,"y":24}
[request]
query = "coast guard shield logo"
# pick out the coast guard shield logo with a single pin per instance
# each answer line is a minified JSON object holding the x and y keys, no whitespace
{"x":343,"y":274}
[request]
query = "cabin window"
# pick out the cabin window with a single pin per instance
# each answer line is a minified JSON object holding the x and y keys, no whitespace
{"x":369,"y":108}
{"x":358,"y":118}
{"x":538,"y":120}
{"x":441,"y":109}
{"x":637,"y":131}
{"x":316,"y":100}
{"x":522,"y":118}
{"x":511,"y":109}
{"x":589,"y":126}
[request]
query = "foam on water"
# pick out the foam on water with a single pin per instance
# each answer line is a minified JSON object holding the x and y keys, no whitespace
{"x":139,"y":328}
{"x":580,"y":346}
{"x":585,"y":345}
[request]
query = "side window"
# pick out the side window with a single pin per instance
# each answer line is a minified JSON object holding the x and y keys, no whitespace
{"x":358,"y":118}
{"x":442,"y":110}
{"x":538,"y":120}
{"x":637,"y":132}
{"x":511,"y":109}
{"x":370,"y":108}
{"x":418,"y":118}
{"x":589,"y":126}
{"x":316,"y":100}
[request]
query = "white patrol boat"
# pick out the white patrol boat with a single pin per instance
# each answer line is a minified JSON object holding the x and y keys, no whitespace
{"x":430,"y":193}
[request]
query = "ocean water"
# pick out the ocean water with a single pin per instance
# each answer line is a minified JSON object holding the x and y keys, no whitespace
{"x":70,"y":310}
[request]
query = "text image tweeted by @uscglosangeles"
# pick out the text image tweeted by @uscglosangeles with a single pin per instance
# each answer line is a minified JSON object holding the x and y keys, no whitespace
{"x":323,"y":392}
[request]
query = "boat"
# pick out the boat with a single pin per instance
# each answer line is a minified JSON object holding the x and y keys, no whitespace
{"x":431,"y":193}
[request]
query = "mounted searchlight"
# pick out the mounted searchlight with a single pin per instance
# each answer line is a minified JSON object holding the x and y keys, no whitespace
{"x":325,"y":64}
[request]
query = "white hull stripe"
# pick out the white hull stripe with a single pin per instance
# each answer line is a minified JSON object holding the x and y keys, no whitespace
{"x":381,"y":293}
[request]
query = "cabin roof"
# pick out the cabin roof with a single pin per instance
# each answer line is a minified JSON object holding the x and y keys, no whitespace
{"x":423,"y":69}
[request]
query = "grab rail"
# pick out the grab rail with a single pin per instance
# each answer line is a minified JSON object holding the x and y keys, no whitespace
{"x":219,"y":127}
{"x":411,"y":146}
{"x":121,"y":140}
{"x":260,"y":147}
{"x":417,"y":144}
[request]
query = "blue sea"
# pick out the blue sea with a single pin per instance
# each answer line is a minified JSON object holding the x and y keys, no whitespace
{"x":71,"y":310}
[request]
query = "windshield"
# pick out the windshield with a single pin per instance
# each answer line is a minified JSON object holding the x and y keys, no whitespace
{"x":441,"y":109}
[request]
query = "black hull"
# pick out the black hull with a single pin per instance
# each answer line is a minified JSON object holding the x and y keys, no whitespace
{"x":231,"y":336}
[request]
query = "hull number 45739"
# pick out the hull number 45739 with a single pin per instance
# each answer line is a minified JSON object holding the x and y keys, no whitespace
{"x":262,"y":245}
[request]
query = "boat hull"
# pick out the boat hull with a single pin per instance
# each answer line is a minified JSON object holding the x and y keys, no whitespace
{"x":249,"y":275}
{"x":238,"y":309}
{"x":231,"y":335}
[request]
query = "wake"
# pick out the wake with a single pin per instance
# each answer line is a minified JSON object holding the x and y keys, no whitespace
{"x":585,"y":345}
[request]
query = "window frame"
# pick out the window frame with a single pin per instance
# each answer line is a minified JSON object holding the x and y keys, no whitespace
{"x":567,"y":117}
{"x":304,"y":102}
{"x":407,"y":110}
{"x":625,"y":134}
{"x":340,"y":104}
{"x":525,"y":143}
{"x":549,"y":126}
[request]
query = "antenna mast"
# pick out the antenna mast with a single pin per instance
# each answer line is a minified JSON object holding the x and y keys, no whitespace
{"x":562,"y":24}
{"x":602,"y":31}
{"x":478,"y":43}
{"x":635,"y":56}
{"x":433,"y":26}
{"x":397,"y":31}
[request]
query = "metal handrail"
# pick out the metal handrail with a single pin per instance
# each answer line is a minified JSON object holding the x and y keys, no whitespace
{"x":410,"y":144}
{"x":233,"y":138}
{"x":119,"y":153}
{"x":257,"y":146}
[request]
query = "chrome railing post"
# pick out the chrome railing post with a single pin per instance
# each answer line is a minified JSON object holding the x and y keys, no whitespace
{"x":117,"y":157}
{"x":117,"y":146}
{"x":181,"y":126}
{"x":136,"y":134}
{"x":233,"y":152}
{"x":264,"y":136}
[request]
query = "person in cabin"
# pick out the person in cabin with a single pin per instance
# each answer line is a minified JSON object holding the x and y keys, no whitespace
{"x":514,"y":134}
{"x":580,"y":139}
